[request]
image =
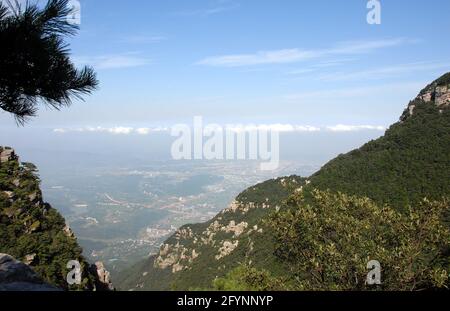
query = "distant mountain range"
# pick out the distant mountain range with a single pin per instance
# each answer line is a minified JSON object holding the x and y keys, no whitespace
{"x":409,"y":163}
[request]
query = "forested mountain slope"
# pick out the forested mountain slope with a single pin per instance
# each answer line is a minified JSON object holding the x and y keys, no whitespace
{"x":35,"y":233}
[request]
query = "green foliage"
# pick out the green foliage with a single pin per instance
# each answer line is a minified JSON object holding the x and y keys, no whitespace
{"x":328,"y":243}
{"x":401,"y":168}
{"x":28,"y":226}
{"x":34,"y":60}
{"x":246,"y":278}
{"x":272,"y":191}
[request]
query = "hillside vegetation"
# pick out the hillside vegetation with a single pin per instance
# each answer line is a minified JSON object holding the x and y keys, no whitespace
{"x":34,"y":232}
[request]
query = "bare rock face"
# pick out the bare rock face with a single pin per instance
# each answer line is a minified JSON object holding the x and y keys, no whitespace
{"x":68,"y":232}
{"x":30,"y":258}
{"x":17,"y":276}
{"x":236,"y":229}
{"x":440,"y":94}
{"x":7,"y":154}
{"x":104,"y":277}
{"x":437,"y":93}
{"x":226,"y":249}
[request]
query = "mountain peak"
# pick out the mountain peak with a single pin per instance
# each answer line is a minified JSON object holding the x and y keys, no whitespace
{"x":438,"y":93}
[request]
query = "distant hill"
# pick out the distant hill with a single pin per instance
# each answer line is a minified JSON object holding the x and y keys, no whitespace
{"x":410,"y":162}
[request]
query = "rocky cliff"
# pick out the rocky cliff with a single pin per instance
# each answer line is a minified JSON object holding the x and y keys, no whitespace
{"x":36,"y":234}
{"x":437,"y":94}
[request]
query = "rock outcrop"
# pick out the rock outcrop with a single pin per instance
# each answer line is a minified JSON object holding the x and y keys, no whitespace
{"x":17,"y":276}
{"x":7,"y":154}
{"x":437,"y":93}
{"x":103,"y":277}
{"x":440,"y":94}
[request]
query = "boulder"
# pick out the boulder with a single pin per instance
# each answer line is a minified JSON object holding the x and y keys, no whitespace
{"x":17,"y":276}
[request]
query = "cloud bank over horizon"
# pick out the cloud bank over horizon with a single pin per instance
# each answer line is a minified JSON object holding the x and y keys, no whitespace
{"x":281,"y":128}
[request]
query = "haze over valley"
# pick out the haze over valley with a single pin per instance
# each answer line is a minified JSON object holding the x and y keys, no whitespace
{"x":123,"y":195}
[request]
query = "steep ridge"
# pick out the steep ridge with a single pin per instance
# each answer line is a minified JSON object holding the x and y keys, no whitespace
{"x":410,"y":162}
{"x":35,"y":233}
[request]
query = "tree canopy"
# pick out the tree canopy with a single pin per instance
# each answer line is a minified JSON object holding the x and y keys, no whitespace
{"x":329,"y":243}
{"x":35,"y":66}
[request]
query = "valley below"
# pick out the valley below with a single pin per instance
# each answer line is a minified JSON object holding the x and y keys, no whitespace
{"x":122,"y":215}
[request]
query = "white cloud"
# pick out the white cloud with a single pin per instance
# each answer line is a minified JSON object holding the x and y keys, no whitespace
{"x":352,"y":93}
{"x":160,"y":129}
{"x":143,"y":39}
{"x":297,"y":55}
{"x":318,"y":66}
{"x":220,"y":8}
{"x":143,"y":131}
{"x":307,"y":128}
{"x":383,"y":72}
{"x":118,"y":130}
{"x":259,"y":58}
{"x":147,"y":130}
{"x":112,"y":130}
{"x":113,"y":61}
{"x":282,"y":128}
{"x":358,"y":47}
{"x":276,"y":127}
{"x":354,"y":128}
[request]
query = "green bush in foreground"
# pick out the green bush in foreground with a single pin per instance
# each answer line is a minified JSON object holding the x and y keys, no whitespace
{"x":327,"y":245}
{"x":246,"y":278}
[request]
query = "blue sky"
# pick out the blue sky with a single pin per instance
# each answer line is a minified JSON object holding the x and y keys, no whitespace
{"x":316,"y":63}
